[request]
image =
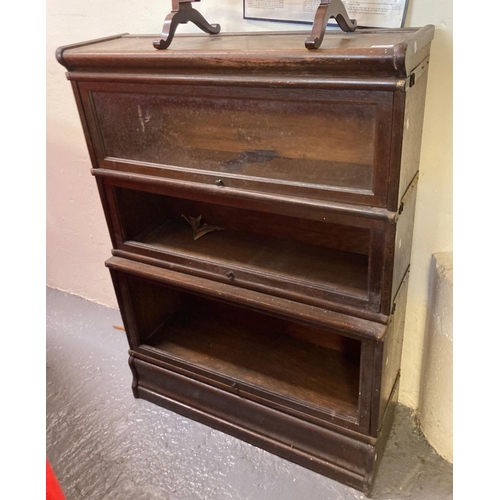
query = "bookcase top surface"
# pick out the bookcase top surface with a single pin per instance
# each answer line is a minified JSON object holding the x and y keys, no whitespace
{"x":376,"y":52}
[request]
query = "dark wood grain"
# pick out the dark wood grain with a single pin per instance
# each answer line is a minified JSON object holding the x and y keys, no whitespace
{"x":385,"y":52}
{"x":404,"y":236}
{"x":412,"y":138}
{"x":313,"y":209}
{"x":309,"y":315}
{"x":317,"y":266}
{"x":389,"y":363}
{"x":267,"y":287}
{"x":150,"y":302}
{"x":337,"y":150}
{"x":408,"y":117}
{"x":285,"y":327}
{"x":296,"y":250}
{"x":259,"y":249}
{"x":338,"y":455}
{"x":286,"y":141}
{"x":86,"y":123}
{"x":60,"y":50}
{"x":277,"y":254}
{"x":255,"y":349}
{"x":143,"y":212}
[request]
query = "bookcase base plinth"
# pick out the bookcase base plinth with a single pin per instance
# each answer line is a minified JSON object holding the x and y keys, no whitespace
{"x":342,"y":455}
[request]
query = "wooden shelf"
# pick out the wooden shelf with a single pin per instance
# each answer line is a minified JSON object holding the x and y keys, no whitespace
{"x":260,"y":351}
{"x":341,"y":271}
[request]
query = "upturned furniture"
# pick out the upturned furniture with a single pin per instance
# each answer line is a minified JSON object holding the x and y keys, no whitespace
{"x":260,"y":200}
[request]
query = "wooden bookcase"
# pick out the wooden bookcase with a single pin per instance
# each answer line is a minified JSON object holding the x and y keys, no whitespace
{"x":282,"y":325}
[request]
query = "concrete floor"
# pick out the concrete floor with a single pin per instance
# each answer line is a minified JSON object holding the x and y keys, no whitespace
{"x":104,"y":444}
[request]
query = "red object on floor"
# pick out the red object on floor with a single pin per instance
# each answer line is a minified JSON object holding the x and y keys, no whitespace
{"x":53,"y":490}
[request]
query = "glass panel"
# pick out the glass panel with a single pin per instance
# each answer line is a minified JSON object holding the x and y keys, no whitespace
{"x":321,"y":143}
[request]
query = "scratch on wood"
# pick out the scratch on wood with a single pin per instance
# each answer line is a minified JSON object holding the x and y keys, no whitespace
{"x":140,"y":118}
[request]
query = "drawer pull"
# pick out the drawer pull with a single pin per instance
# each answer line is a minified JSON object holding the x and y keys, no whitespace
{"x":230,"y":275}
{"x":219,"y":182}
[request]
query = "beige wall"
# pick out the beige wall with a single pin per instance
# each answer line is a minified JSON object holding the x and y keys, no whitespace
{"x":433,"y":219}
{"x":436,"y":401}
{"x":77,"y":239}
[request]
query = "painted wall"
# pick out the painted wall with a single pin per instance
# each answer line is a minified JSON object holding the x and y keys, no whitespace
{"x":436,"y":402}
{"x":77,"y":239}
{"x":433,"y":219}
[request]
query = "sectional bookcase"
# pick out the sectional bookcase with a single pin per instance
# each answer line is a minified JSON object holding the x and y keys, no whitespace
{"x":260,"y":202}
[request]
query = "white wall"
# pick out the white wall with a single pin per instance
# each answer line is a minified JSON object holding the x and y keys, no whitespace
{"x":77,"y":239}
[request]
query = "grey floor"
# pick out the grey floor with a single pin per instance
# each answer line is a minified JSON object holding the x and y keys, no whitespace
{"x":104,"y":444}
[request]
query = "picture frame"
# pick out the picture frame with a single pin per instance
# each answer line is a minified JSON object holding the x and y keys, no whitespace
{"x":368,"y":13}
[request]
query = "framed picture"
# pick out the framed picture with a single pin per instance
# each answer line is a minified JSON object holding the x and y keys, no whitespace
{"x":368,"y":13}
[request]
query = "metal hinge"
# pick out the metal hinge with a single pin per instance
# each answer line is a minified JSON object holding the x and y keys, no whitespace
{"x":417,"y":73}
{"x":407,"y":274}
{"x":406,"y":195}
{"x":401,"y":207}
